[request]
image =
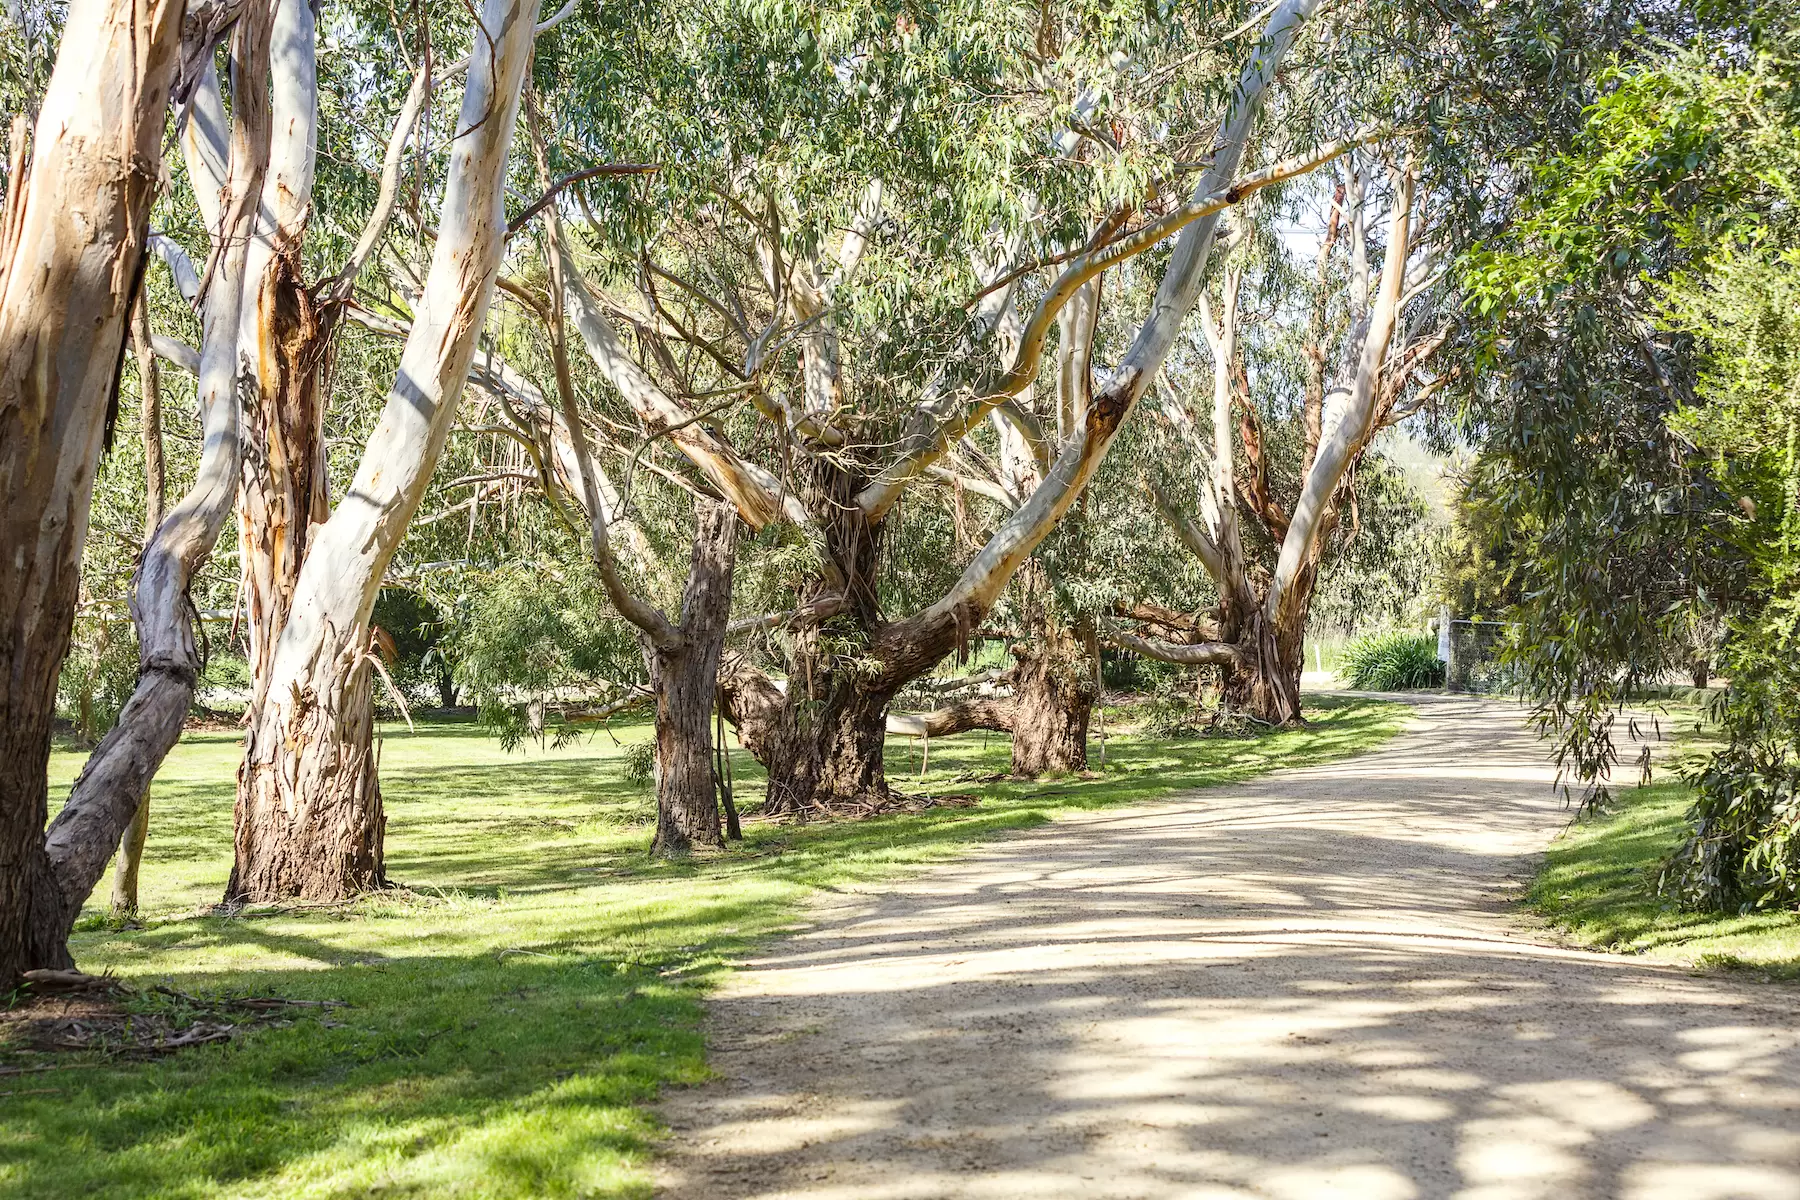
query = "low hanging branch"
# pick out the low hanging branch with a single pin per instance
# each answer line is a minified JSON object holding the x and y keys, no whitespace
{"x":1201,"y":654}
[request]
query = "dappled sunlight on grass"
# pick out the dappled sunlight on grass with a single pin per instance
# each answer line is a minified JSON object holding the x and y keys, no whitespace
{"x":523,"y":995}
{"x":1599,"y":886}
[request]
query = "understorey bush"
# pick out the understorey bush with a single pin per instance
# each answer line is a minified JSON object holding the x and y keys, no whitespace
{"x":1392,"y":662}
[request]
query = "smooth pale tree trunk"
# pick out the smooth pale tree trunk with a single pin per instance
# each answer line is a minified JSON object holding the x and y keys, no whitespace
{"x":114,"y":785}
{"x":131,"y":845}
{"x":72,"y":237}
{"x":1261,"y":639}
{"x":309,"y":822}
{"x":685,"y":678}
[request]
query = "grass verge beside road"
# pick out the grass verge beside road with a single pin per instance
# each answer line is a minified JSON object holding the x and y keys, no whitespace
{"x":1598,"y":886}
{"x":518,"y":1002}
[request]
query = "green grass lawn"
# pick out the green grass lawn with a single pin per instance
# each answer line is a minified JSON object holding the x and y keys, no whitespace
{"x":1598,"y":885}
{"x":517,"y":1003}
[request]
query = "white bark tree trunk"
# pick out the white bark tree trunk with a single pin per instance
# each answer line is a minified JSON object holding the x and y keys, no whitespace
{"x":72,"y":238}
{"x":938,"y":425}
{"x":1350,"y":416}
{"x":309,"y":821}
{"x":975,"y":592}
{"x":114,"y":785}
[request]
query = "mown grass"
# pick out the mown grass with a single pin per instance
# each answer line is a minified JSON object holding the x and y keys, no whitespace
{"x":519,"y":1001}
{"x":1598,"y":885}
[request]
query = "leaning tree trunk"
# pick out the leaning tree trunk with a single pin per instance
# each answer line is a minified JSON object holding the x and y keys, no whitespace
{"x":309,"y":822}
{"x":72,"y":235}
{"x":131,"y":845}
{"x":685,"y":677}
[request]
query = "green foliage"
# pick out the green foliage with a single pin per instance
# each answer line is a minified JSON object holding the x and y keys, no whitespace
{"x":1167,"y":716}
{"x":1645,"y":309}
{"x":1743,"y":846}
{"x":640,"y":763}
{"x":1478,"y":578}
{"x":532,"y":633}
{"x":1392,"y":662}
{"x":98,"y":675}
{"x":516,"y":1008}
{"x":421,"y":668}
{"x":1576,"y":371}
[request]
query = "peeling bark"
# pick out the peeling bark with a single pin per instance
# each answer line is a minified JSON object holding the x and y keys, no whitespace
{"x":1260,"y":644}
{"x":72,"y":242}
{"x":309,"y":822}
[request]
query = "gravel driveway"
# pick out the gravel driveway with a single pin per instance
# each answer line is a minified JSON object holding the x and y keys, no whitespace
{"x":1315,"y":985}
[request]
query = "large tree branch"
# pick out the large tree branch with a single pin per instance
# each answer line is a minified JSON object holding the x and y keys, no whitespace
{"x":1196,"y":539}
{"x":979,"y":586}
{"x":758,"y":496}
{"x":953,"y":415}
{"x":961,"y":717}
{"x":1201,"y":654}
{"x":1352,"y":420}
{"x":634,"y":608}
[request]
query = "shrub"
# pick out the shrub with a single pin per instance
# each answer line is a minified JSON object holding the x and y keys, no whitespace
{"x":1391,"y":662}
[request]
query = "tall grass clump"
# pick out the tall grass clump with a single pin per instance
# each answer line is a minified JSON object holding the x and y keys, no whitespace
{"x":1391,"y":662}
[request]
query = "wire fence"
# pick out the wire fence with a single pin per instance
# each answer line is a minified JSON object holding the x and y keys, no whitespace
{"x":1471,"y":651}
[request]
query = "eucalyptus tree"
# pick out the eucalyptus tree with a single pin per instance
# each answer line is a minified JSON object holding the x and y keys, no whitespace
{"x":1392,"y":322}
{"x":309,"y":810}
{"x":309,"y":820}
{"x":71,"y":244}
{"x":1651,"y":279}
{"x":785,"y":281}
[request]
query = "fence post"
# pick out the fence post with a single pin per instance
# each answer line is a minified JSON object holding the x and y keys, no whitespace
{"x":1446,"y":648}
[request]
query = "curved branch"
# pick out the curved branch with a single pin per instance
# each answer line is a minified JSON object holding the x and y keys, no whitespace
{"x":955,"y":718}
{"x":655,"y":626}
{"x":1202,"y":654}
{"x":940,"y":429}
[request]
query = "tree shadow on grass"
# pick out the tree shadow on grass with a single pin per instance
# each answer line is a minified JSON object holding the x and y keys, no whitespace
{"x":515,"y":1010}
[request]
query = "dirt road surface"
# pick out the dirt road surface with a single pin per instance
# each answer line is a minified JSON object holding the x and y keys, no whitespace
{"x":1316,"y":985}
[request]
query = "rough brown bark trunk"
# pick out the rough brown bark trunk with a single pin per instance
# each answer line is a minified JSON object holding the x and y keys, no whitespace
{"x":309,"y":822}
{"x":1265,"y":683}
{"x":685,"y":678}
{"x":821,"y":741}
{"x":283,"y":496}
{"x":1053,"y":701}
{"x":832,"y":756}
